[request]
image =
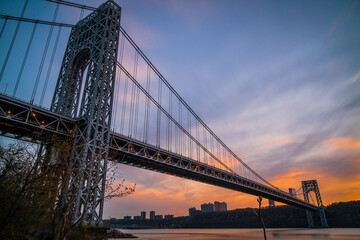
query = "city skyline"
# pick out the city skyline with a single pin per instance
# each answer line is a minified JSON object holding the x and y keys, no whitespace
{"x":276,"y":81}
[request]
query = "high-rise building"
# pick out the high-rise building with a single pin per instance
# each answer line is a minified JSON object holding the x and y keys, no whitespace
{"x":271,"y":203}
{"x":127,"y":218}
{"x":292,"y":192}
{"x":220,"y":206}
{"x":207,"y":207}
{"x":152,"y":215}
{"x":193,"y":212}
{"x":168,"y":217}
{"x":158,"y":217}
{"x":143,"y":215}
{"x":137,"y":218}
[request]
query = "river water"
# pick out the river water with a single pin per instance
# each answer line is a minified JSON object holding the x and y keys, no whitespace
{"x":253,"y":234}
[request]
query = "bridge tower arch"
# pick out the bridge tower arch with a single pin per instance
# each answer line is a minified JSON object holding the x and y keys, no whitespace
{"x":93,"y":43}
{"x":307,"y":187}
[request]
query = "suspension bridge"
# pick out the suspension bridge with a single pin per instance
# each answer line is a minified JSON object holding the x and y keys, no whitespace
{"x":115,"y":105}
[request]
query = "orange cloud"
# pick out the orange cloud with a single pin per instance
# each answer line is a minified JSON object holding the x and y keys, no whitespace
{"x":332,"y":188}
{"x":167,"y":194}
{"x":276,"y":141}
{"x":335,"y":144}
{"x":173,"y":195}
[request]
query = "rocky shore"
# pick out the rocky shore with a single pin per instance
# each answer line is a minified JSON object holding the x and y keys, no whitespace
{"x":98,"y":233}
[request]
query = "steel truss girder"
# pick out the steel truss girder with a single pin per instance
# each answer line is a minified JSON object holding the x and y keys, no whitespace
{"x":21,"y":119}
{"x":136,"y":153}
{"x":131,"y":152}
{"x":307,"y":187}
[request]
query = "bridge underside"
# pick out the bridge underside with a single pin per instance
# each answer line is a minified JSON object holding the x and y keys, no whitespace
{"x":22,"y":120}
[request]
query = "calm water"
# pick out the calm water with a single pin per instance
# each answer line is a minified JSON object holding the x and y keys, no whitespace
{"x":253,"y":234}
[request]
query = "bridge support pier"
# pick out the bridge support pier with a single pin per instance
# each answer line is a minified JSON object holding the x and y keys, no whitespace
{"x":308,"y":186}
{"x":92,"y":45}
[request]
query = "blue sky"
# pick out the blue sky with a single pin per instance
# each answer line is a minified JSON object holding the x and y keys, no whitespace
{"x":278,"y":81}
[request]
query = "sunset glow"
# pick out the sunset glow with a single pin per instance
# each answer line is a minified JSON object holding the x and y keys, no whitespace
{"x":276,"y":81}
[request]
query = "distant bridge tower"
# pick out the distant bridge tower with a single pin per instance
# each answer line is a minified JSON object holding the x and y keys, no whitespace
{"x":311,"y":185}
{"x":93,"y":44}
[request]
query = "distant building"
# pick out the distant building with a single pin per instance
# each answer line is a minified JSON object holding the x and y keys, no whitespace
{"x":207,"y":207}
{"x":220,"y":206}
{"x":152,"y":215}
{"x":143,"y":215}
{"x":169,"y":216}
{"x":127,"y":218}
{"x":158,"y":217}
{"x":137,"y":218}
{"x":292,"y":192}
{"x":193,"y":212}
{"x":271,"y":203}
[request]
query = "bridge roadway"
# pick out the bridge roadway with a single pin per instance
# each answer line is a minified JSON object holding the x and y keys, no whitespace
{"x":22,"y":120}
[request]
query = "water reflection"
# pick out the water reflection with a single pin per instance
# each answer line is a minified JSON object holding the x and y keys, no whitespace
{"x":239,"y":234}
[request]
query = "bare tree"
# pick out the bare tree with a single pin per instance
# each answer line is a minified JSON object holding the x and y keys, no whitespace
{"x":259,"y":200}
{"x":33,"y":182}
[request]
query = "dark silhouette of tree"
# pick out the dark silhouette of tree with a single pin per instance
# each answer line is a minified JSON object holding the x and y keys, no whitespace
{"x":259,"y":200}
{"x":33,"y":181}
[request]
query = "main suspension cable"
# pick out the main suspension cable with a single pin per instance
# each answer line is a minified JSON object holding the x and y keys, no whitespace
{"x":24,"y":59}
{"x":12,"y":41}
{"x":50,"y":65}
{"x":44,"y":56}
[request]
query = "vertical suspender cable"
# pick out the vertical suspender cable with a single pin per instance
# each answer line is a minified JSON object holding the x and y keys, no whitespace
{"x":137,"y":96}
{"x":131,"y":109}
{"x":170,"y":122}
{"x":133,"y":93}
{"x":44,"y":55}
{"x":197,"y":145}
{"x":50,"y":65}
{"x":158,"y":121}
{"x":189,"y":140}
{"x":12,"y":41}
{"x":24,"y":59}
{"x":180,"y":132}
{"x":123,"y":110}
{"x":81,"y":13}
{"x":168,"y":129}
{"x":147,"y":105}
{"x":205,"y":144}
{"x":117,"y":87}
{"x":176,"y":138}
{"x":136,"y":92}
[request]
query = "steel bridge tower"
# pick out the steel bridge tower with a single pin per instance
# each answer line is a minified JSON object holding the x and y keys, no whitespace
{"x":308,"y":186}
{"x":92,"y":45}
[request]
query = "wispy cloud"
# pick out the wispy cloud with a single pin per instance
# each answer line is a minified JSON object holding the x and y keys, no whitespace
{"x":355,"y":78}
{"x":335,"y":144}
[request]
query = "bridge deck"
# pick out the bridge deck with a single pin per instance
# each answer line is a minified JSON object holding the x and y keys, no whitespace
{"x":23,"y":120}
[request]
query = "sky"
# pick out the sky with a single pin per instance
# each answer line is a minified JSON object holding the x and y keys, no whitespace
{"x":277,"y":81}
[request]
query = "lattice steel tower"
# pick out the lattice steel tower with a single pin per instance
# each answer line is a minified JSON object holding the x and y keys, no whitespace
{"x":93,"y":44}
{"x":308,"y":186}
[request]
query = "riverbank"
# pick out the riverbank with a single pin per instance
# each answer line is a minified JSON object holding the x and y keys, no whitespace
{"x":339,"y":215}
{"x":98,"y":233}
